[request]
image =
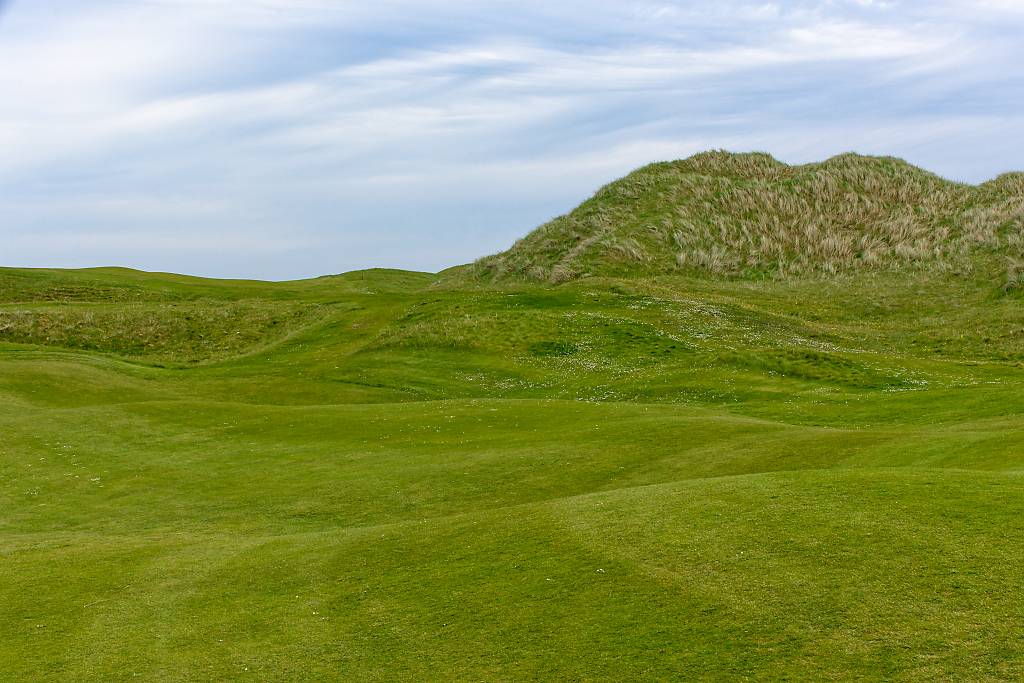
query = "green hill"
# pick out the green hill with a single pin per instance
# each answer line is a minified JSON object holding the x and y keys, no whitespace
{"x":749,"y":215}
{"x":653,"y":473}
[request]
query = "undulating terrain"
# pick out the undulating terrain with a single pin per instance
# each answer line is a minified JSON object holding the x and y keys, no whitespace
{"x":727,"y":420}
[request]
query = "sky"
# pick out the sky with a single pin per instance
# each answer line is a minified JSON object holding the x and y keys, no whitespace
{"x":281,"y":139}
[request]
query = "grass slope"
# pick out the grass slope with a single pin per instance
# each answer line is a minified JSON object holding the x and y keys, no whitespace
{"x":752,"y":216}
{"x":383,"y":476}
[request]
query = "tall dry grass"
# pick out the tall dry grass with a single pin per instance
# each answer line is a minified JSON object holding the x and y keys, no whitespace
{"x":731,"y":214}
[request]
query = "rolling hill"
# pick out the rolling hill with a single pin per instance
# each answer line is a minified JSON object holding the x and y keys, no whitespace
{"x":728,"y":420}
{"x":750,"y":215}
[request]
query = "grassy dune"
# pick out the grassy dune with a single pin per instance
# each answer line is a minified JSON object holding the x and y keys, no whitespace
{"x":752,"y":216}
{"x":398,"y":476}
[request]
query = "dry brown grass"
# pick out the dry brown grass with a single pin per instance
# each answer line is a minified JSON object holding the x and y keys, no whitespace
{"x":1014,"y":276}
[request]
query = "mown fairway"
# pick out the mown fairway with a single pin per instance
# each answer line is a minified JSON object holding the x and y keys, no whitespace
{"x":370,"y":477}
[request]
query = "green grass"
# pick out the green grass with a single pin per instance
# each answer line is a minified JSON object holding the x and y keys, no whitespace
{"x":750,"y":216}
{"x":808,"y":467}
{"x":659,"y":478}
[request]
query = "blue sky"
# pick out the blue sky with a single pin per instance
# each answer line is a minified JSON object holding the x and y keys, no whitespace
{"x":290,"y":138}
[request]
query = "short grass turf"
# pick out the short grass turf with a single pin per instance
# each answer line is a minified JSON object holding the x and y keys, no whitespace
{"x":666,"y":478}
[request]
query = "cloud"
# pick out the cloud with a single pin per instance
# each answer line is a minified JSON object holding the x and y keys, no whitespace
{"x":424,"y":134}
{"x":162,"y":242}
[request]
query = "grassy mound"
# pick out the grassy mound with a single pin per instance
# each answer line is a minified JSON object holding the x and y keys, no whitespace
{"x":189,"y":332}
{"x":172,"y":318}
{"x":751,"y":215}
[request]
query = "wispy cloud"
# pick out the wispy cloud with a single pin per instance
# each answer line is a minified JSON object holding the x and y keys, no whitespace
{"x":211,"y":136}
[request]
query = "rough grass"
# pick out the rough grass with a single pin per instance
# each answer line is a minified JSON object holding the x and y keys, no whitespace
{"x":749,"y":215}
{"x":190,"y":332}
